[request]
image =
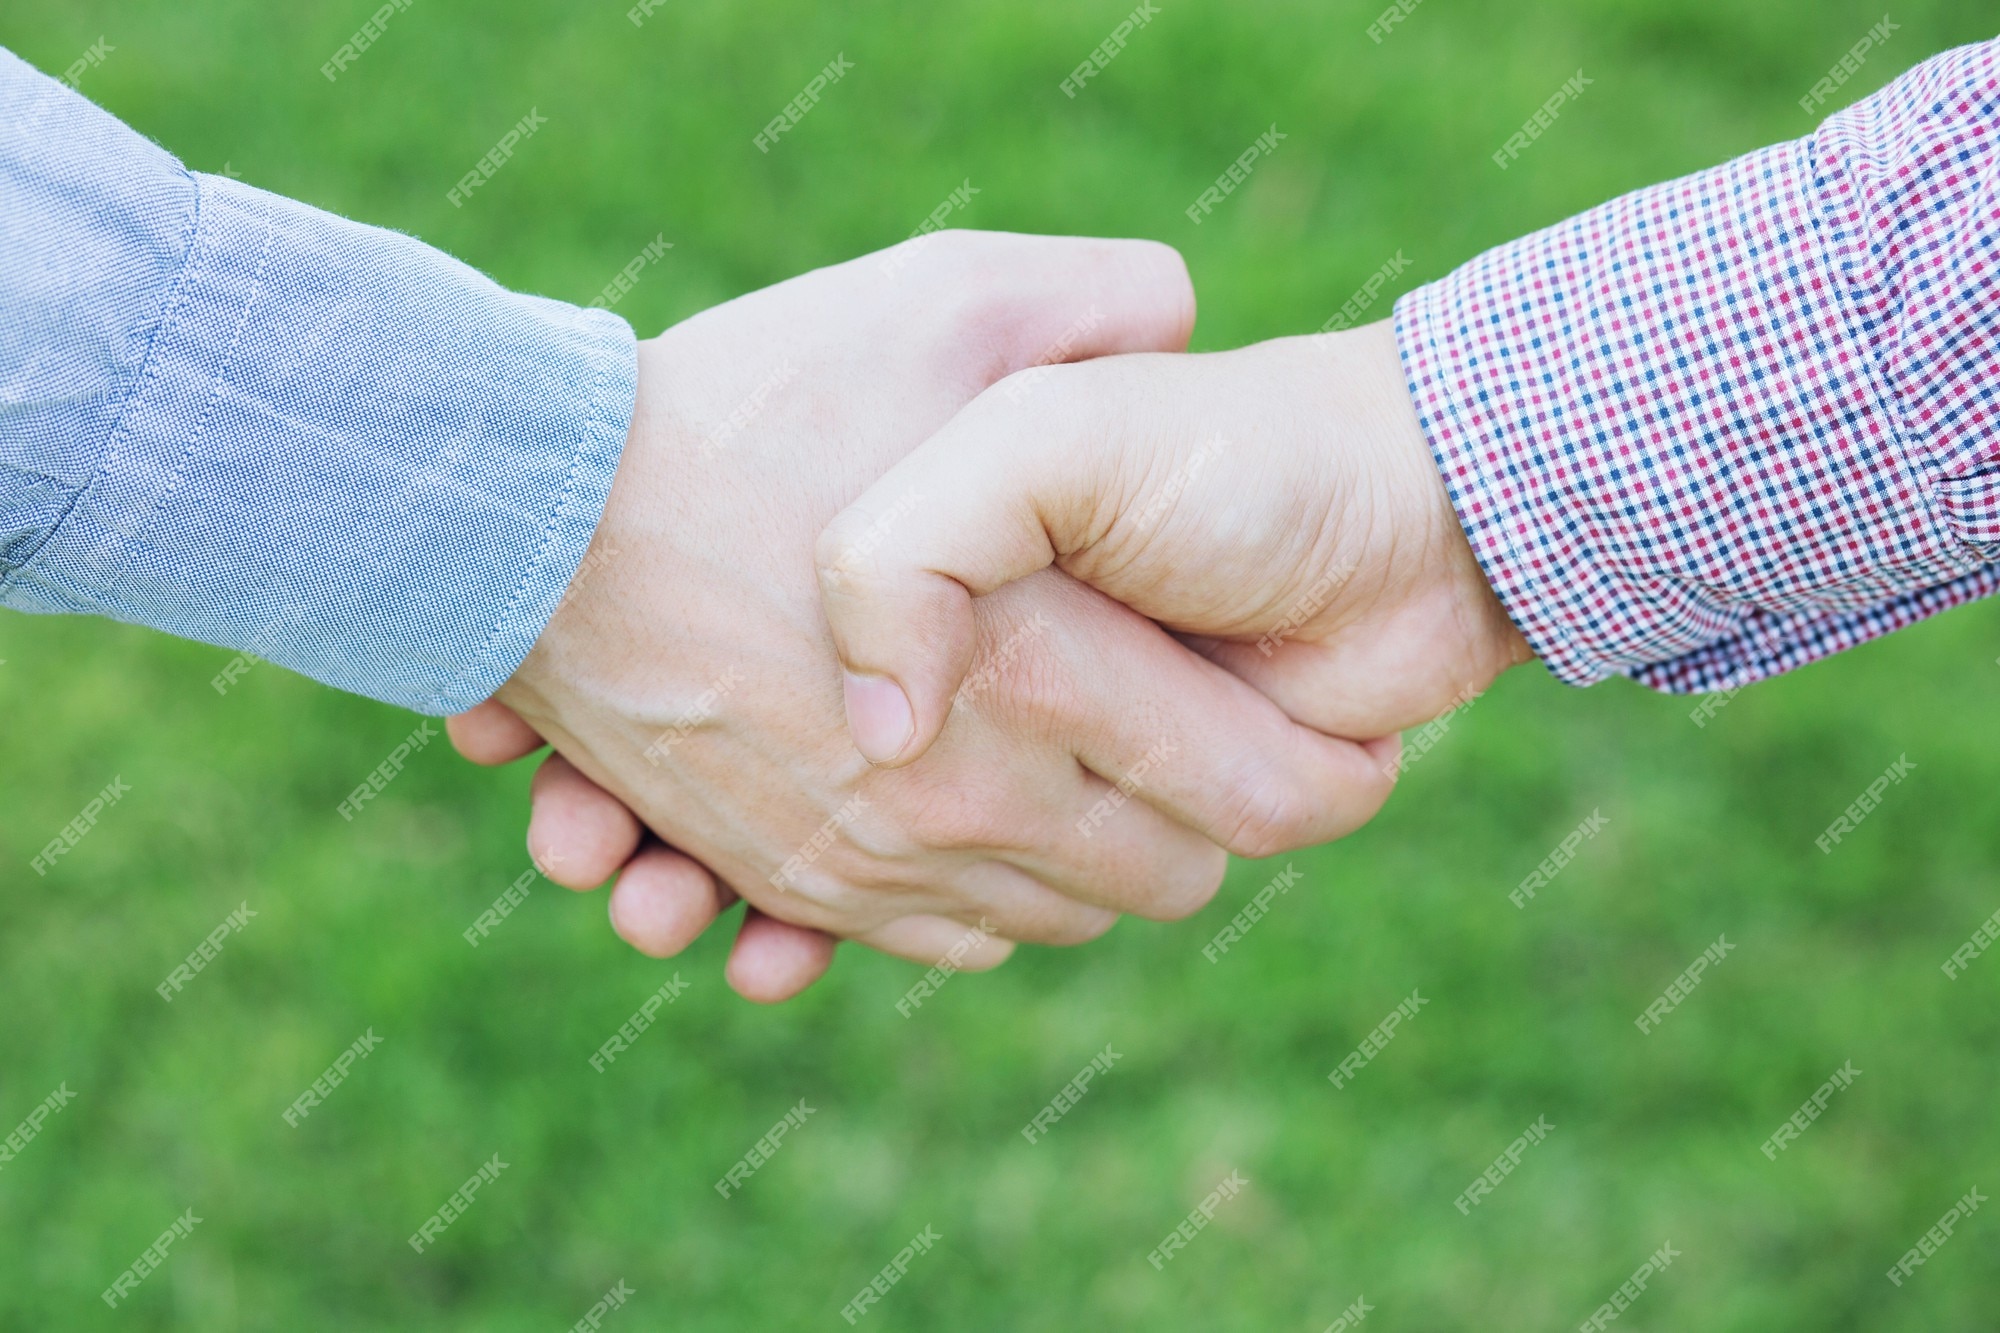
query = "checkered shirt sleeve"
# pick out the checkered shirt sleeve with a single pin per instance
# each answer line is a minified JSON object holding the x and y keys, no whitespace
{"x":1724,"y":426}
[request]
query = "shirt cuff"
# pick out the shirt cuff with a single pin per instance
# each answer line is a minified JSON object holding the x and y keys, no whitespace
{"x":1674,"y":428}
{"x":349,"y":454}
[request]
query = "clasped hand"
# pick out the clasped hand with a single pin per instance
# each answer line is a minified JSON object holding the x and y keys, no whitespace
{"x":1095,"y":610}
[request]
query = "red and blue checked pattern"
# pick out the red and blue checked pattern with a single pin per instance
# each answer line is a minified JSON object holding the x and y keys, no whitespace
{"x":1727,"y":425}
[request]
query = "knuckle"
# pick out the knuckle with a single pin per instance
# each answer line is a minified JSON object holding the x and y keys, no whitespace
{"x":824,"y":898}
{"x":1188,"y":888}
{"x":1018,"y":674}
{"x":840,"y":558}
{"x":1266,"y":815}
{"x":952,"y":816}
{"x":981,"y":308}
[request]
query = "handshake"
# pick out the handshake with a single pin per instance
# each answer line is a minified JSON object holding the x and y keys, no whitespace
{"x":1096,"y":611}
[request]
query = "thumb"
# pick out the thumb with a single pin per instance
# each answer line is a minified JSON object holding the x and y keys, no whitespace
{"x":1026,"y":473}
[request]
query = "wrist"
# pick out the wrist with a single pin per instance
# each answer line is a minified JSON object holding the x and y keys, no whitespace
{"x":1428,"y":562}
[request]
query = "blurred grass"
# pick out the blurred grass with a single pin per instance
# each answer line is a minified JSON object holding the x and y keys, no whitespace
{"x":1656,"y":1137}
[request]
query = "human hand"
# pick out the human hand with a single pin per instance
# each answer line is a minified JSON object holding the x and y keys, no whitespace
{"x":1277,"y":503}
{"x":580,"y":835}
{"x":689,"y":672}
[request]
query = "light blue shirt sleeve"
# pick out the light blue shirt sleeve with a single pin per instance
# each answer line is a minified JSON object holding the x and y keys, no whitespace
{"x":242,"y":420}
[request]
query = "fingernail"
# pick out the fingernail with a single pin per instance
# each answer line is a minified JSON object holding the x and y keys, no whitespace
{"x":878,"y":713}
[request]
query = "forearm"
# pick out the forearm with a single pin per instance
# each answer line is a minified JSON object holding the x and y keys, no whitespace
{"x":241,"y":420}
{"x":1729,"y":424}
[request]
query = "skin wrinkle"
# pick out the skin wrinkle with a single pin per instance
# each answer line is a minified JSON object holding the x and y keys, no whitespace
{"x":1009,"y":764}
{"x":1326,"y":470}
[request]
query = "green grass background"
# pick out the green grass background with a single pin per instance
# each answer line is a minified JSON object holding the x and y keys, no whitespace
{"x":1531,"y":1012}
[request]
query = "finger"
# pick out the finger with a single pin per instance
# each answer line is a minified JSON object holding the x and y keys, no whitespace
{"x":996,"y":898}
{"x":664,"y":900}
{"x":1220,"y":758}
{"x":983,"y":891}
{"x":1372,"y":679}
{"x":1142,"y":863}
{"x":578,"y":833}
{"x":932,"y":940}
{"x":1062,"y":299}
{"x":773,"y":960}
{"x":1040,"y":300}
{"x":1174,"y":731}
{"x":1001,"y":491}
{"x":492,"y":733}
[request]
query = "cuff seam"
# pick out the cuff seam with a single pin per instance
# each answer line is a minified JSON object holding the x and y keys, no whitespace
{"x":1482,"y":514}
{"x":224,"y":364}
{"x":444,"y":700}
